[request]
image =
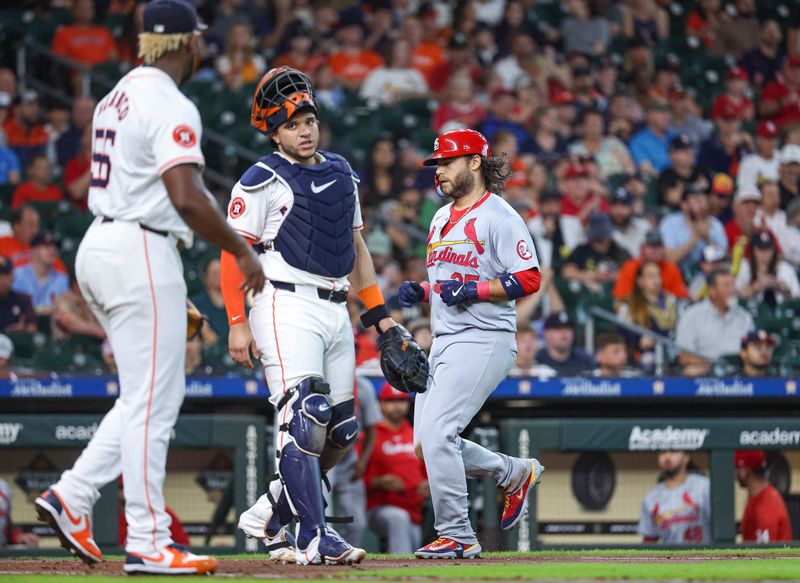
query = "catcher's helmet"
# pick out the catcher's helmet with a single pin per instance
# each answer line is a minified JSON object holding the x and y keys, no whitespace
{"x":280,"y":94}
{"x":459,"y":143}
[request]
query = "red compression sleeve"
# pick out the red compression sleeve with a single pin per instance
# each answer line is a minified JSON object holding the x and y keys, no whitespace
{"x":530,"y":279}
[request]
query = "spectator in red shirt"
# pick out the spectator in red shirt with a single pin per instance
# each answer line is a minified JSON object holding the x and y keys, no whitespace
{"x":84,"y":42}
{"x":734,"y":99}
{"x":460,"y":108}
{"x":780,"y":101}
{"x":579,"y":200}
{"x":25,"y":132}
{"x":38,"y":187}
{"x":396,"y":479}
{"x":765,"y":519}
{"x":77,"y":173}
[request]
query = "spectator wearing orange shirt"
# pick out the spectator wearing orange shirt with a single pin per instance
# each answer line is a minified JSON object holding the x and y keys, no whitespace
{"x":351,"y":64}
{"x":25,"y":132}
{"x":765,"y":519}
{"x":459,"y":59}
{"x":240,"y":64}
{"x":38,"y":187}
{"x":84,"y":42}
{"x":426,"y":55}
{"x":396,"y":480}
{"x":652,"y":251}
{"x":300,"y":56}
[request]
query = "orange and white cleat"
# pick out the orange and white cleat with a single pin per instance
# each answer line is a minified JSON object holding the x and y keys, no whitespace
{"x":447,"y":548}
{"x":516,"y":503}
{"x":75,"y":532}
{"x":171,"y":560}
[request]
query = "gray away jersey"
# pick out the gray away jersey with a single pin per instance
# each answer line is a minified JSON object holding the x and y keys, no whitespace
{"x":489,"y":241}
{"x":678,"y":515}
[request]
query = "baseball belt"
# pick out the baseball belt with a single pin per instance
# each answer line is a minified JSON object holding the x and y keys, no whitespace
{"x":337,"y":297}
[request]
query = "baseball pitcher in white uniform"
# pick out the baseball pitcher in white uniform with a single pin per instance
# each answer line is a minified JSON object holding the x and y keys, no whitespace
{"x":299,"y":207}
{"x":148,"y":195}
{"x":480,"y":260}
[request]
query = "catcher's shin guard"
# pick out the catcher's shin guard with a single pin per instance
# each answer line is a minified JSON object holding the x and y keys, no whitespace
{"x":305,"y":412}
{"x":342,"y":433}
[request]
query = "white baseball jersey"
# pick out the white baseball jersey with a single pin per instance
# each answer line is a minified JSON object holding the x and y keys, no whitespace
{"x":141,"y":129}
{"x":678,"y":515}
{"x":257,"y":213}
{"x":489,"y":241}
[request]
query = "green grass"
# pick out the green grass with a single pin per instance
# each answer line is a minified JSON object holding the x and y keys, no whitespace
{"x":723,"y":569}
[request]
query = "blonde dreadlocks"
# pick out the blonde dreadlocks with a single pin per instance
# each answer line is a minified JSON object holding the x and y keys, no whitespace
{"x":153,"y":46}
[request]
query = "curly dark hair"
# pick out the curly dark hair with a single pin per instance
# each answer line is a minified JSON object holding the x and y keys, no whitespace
{"x":495,"y":171}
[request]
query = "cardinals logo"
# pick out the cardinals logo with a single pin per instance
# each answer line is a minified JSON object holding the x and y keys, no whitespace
{"x":469,"y":233}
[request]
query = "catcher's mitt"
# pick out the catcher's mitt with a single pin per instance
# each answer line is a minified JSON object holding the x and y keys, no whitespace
{"x":194,"y":320}
{"x":403,"y":362}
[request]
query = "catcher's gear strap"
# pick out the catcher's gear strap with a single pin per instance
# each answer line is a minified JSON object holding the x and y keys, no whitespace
{"x":231,"y":281}
{"x":311,"y":413}
{"x":373,"y":316}
{"x":371,"y":296}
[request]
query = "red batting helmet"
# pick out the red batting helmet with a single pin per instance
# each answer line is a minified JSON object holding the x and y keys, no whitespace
{"x":280,"y":94}
{"x":458,"y":143}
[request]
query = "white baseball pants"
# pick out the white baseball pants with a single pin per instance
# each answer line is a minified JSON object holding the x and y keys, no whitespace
{"x":133,"y":281}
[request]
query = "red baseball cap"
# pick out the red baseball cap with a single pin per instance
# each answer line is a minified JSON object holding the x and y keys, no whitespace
{"x":456,"y":143}
{"x":575,"y":170}
{"x":767,"y":129}
{"x":750,"y":458}
{"x":563,"y":98}
{"x":389,"y":393}
{"x":724,"y":108}
{"x":722,"y":184}
{"x":736,"y":73}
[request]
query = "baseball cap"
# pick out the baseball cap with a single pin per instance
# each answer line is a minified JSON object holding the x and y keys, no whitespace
{"x":747,"y":194}
{"x":43,"y":238}
{"x":725,"y":109}
{"x":563,"y":98}
{"x":171,"y":17}
{"x":28,"y":96}
{"x":6,"y":265}
{"x":378,"y":243}
{"x":6,"y":346}
{"x":736,"y":73}
{"x":750,"y":458}
{"x":558,"y":320}
{"x":713,"y":254}
{"x":767,"y":129}
{"x":757,"y":336}
{"x":762,"y":240}
{"x":653,"y":238}
{"x":599,"y":226}
{"x":680,"y":142}
{"x":621,"y":195}
{"x":549,"y":194}
{"x":692,"y":190}
{"x":5,"y":100}
{"x":790,"y":154}
{"x":722,"y":184}
{"x":576,"y":170}
{"x":389,"y":393}
{"x":457,"y":41}
{"x":657,"y":105}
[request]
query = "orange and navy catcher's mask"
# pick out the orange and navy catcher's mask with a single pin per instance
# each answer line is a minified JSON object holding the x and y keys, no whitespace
{"x":280,"y":94}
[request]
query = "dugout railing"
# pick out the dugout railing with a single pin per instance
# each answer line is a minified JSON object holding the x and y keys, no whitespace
{"x":243,"y":436}
{"x":717,"y":438}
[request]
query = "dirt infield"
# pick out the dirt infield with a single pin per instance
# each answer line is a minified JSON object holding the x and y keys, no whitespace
{"x":267,"y":569}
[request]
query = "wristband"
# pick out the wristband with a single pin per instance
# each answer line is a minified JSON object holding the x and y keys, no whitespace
{"x":371,"y":296}
{"x":512,"y":286}
{"x":484,"y":294}
{"x":373,"y":316}
{"x":426,"y":289}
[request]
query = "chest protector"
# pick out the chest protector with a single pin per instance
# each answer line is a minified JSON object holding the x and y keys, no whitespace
{"x":317,"y":234}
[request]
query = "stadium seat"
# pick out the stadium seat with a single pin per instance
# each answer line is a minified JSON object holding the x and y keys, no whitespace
{"x":105,"y":75}
{"x":24,"y":343}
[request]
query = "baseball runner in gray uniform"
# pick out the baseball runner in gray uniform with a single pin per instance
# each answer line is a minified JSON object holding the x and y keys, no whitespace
{"x":678,"y":509}
{"x":480,"y":260}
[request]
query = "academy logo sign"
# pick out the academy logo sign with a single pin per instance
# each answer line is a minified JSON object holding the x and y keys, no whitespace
{"x":9,"y":432}
{"x":667,"y":438}
{"x":777,"y":436}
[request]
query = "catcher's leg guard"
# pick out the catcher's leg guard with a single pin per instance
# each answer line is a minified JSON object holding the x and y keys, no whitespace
{"x":342,"y":433}
{"x":305,"y":413}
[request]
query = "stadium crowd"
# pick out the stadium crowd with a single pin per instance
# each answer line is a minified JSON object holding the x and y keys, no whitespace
{"x":655,"y":146}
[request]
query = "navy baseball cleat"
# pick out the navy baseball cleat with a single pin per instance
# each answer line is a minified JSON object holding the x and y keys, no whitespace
{"x":447,"y":548}
{"x":329,"y":549}
{"x":516,"y":503}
